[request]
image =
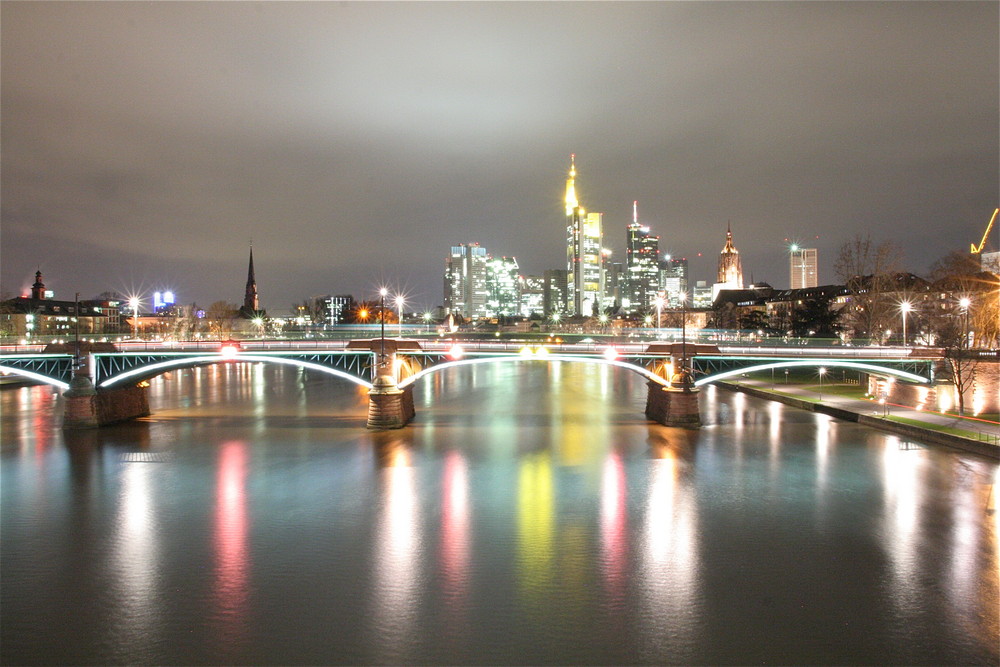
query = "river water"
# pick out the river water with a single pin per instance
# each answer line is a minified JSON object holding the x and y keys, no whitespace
{"x":530,"y":515}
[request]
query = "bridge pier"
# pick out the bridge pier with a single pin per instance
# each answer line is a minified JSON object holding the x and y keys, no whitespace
{"x":389,"y":406}
{"x":88,"y":407}
{"x":676,"y":405}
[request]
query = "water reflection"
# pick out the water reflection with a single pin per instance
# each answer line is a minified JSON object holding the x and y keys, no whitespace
{"x":397,"y":554}
{"x":231,"y":552}
{"x":135,"y":562}
{"x":535,"y":526}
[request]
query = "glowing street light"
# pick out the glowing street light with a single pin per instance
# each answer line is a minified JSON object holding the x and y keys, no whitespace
{"x":133,"y":303}
{"x":965,"y":302}
{"x":259,"y":323}
{"x":399,"y":309}
{"x":905,"y":308}
{"x":382,"y":292}
{"x":658,"y":302}
{"x":822,"y":372}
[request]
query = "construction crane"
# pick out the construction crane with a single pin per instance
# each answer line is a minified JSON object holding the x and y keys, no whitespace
{"x":972,"y":247}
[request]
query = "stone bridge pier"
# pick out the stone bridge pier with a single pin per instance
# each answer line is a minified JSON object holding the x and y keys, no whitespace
{"x":85,"y":406}
{"x":674,"y":405}
{"x":389,"y":406}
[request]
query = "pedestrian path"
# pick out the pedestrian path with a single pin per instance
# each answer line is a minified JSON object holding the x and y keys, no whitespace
{"x":987,"y":429}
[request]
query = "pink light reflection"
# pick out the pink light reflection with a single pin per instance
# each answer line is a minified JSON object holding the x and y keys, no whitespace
{"x":231,"y":536}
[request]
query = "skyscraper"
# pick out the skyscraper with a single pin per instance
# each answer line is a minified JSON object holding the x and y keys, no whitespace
{"x":465,"y":285}
{"x":503,"y":286}
{"x":584,"y":260}
{"x":674,"y":280}
{"x":802,"y":267}
{"x":642,"y":256}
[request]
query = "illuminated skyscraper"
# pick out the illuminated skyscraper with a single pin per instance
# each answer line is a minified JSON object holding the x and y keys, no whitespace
{"x":584,"y":260}
{"x":465,"y":281}
{"x":674,"y":280}
{"x":642,"y":259}
{"x":802,"y":267}
{"x":503,"y":285}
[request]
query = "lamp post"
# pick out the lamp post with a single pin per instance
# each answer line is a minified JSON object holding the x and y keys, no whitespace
{"x":658,"y":302}
{"x":905,"y":308}
{"x":965,"y":302}
{"x":381,"y":309}
{"x":399,"y":309}
{"x":822,"y":372}
{"x":134,"y":305}
{"x":684,"y":331}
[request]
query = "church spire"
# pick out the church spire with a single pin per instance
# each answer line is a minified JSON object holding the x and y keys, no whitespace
{"x":250,"y":300}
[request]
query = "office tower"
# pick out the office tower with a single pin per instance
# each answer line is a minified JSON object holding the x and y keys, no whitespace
{"x":584,"y":259}
{"x":338,"y":308}
{"x":701,"y":295}
{"x":465,"y":286}
{"x":642,"y":257}
{"x":614,"y":283}
{"x":802,"y":267}
{"x":532,"y":295}
{"x":674,"y":280}
{"x":556,"y":299}
{"x":503,"y":286}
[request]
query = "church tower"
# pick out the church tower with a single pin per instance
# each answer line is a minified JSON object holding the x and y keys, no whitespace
{"x":38,"y":289}
{"x":730,"y":270}
{"x":251,"y":303}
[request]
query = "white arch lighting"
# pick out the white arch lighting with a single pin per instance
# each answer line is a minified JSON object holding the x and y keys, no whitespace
{"x":871,"y":368}
{"x":525,"y":358}
{"x":38,"y":377}
{"x":218,"y":358}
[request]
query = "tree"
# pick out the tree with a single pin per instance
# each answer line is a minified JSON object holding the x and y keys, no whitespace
{"x":868,"y":270}
{"x":221,"y":316}
{"x":816,"y":317}
{"x":957,"y":275}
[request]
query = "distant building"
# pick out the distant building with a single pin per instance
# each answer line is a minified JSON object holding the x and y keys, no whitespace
{"x":250,"y":309}
{"x":642,"y":259}
{"x":338,"y":309}
{"x":532,"y":295}
{"x":990,"y":261}
{"x":674,"y":280}
{"x":701,"y":295}
{"x":503,"y":286}
{"x":802,"y":267}
{"x":556,"y":298}
{"x":39,"y":314}
{"x":584,"y":257}
{"x":465,"y":281}
{"x":614,"y":284}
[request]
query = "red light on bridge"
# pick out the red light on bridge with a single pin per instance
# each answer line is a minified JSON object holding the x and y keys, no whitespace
{"x":230,"y":349}
{"x":456,"y":352}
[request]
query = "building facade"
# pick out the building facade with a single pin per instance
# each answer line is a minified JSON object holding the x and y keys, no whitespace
{"x":642,"y":260}
{"x":584,"y":257}
{"x":802,"y":267}
{"x":465,"y":281}
{"x":730,"y":274}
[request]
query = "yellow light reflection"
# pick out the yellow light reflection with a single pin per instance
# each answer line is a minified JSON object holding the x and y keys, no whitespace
{"x":397,"y":555}
{"x":535,"y":524}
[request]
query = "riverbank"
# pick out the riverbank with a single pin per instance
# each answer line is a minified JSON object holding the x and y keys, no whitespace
{"x":948,"y":431}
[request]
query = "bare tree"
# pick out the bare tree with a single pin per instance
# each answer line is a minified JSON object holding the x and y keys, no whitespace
{"x":868,"y":270}
{"x":221,"y":316}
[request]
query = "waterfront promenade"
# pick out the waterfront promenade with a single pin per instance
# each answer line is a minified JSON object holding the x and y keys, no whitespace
{"x":982,"y":436}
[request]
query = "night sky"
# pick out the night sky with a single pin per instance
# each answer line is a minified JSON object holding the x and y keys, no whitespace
{"x":145,"y":144}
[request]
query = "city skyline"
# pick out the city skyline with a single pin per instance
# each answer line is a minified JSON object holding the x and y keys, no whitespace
{"x":145,"y":144}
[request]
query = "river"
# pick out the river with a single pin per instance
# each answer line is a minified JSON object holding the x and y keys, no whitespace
{"x":530,"y":515}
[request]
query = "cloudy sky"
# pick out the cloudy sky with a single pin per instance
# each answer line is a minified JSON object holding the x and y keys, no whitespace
{"x":145,"y":144}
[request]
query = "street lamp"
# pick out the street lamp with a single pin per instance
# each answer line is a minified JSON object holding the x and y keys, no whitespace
{"x":684,"y":331}
{"x":822,"y":372}
{"x":381,"y":309}
{"x":658,"y":302}
{"x":905,"y":308}
{"x":399,"y":308}
{"x":134,"y":305}
{"x":965,"y":302}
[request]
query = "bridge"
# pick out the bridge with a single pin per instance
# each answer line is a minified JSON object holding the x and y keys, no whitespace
{"x":389,"y":368}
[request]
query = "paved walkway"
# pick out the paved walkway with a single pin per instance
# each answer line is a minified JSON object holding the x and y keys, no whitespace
{"x":874,"y":409}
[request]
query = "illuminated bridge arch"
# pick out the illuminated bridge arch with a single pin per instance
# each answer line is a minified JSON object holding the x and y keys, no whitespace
{"x":504,"y":358}
{"x":36,"y":376}
{"x":151,"y":370}
{"x":874,"y":369}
